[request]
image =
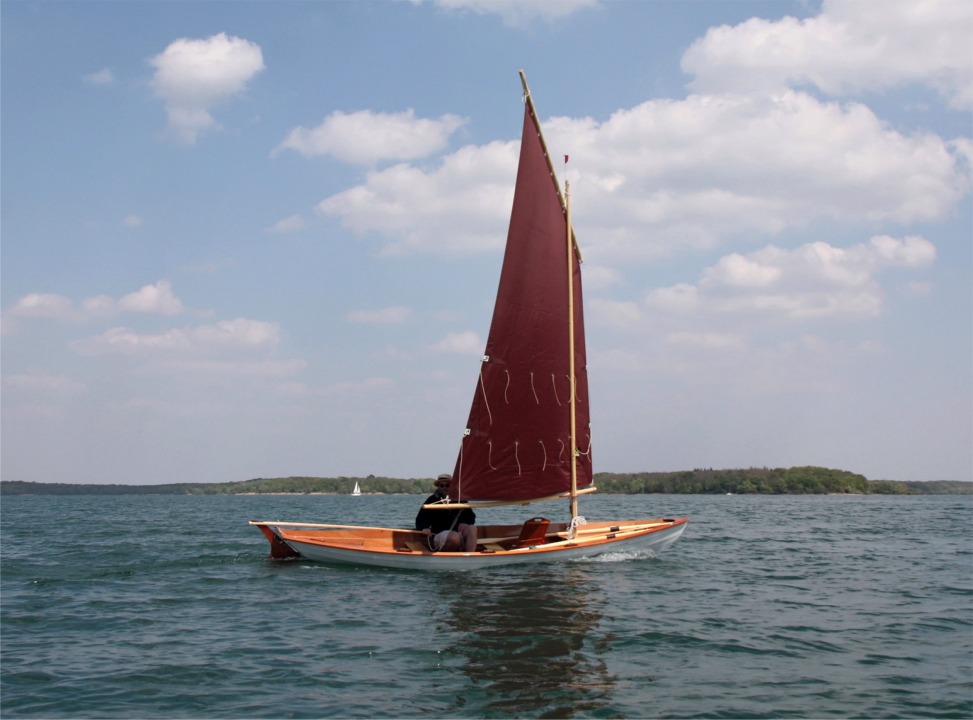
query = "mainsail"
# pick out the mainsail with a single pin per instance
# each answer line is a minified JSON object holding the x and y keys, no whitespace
{"x":517,"y":445}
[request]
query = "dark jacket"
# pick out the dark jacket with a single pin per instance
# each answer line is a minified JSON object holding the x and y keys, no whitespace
{"x":440,"y":520}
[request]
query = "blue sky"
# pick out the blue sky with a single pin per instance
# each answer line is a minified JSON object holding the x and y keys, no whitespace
{"x":245,"y":239}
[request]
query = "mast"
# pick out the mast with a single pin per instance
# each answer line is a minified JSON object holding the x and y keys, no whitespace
{"x":572,"y":248}
{"x":573,"y":384}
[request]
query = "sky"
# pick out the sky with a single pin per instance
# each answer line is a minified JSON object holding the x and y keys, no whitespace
{"x":262,"y":239}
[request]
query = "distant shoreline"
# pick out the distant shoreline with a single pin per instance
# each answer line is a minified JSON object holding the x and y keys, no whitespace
{"x":805,"y":480}
{"x":334,"y":494}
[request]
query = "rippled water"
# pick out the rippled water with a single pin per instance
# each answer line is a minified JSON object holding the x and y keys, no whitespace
{"x":768,"y":607}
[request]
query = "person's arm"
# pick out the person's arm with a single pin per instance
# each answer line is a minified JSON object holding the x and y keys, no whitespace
{"x":425,"y":519}
{"x":422,"y":520}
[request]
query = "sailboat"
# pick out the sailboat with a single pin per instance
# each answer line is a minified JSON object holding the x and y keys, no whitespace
{"x":357,"y":491}
{"x":527,"y":438}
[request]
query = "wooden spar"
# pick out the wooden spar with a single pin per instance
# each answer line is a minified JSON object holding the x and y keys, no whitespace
{"x":572,"y":437}
{"x":572,"y":246}
{"x":274,"y":523}
{"x":622,"y":529}
{"x":501,"y":503}
{"x":547,"y":156}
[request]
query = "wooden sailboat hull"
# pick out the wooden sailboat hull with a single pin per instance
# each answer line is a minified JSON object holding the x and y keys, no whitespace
{"x":499,"y":544}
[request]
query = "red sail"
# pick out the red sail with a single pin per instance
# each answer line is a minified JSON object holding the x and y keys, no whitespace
{"x":517,"y":445}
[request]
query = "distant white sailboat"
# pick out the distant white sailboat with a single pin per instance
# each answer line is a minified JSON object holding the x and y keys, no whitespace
{"x":357,"y":490}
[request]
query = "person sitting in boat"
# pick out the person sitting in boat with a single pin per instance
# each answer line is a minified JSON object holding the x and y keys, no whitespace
{"x":449,"y":530}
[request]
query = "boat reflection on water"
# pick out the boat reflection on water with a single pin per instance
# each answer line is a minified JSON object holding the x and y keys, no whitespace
{"x":530,"y":641}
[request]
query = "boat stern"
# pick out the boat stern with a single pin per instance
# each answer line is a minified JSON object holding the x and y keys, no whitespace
{"x":279,"y":550}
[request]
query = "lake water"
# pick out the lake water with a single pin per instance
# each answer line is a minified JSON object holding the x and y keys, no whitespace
{"x":767,"y":607}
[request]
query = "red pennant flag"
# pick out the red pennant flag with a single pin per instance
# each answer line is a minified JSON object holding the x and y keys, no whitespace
{"x":565,"y":159}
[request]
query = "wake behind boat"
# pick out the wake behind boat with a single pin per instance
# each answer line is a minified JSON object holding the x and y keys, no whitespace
{"x":527,"y":438}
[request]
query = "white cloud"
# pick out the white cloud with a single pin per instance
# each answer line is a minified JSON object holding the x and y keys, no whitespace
{"x":459,"y":207}
{"x":240,"y":332}
{"x":460,"y":343}
{"x":43,"y":305}
{"x":228,"y":335}
{"x":739,"y":271}
{"x":623,"y":315}
{"x":667,"y":175}
{"x":385,"y":316}
{"x":99,"y":306}
{"x":521,"y":12}
{"x":366,"y":138}
{"x":103,"y":77}
{"x":707,"y":340}
{"x":912,"y":251}
{"x":851,"y":46}
{"x":131,"y":221}
{"x":156,"y":298}
{"x":600,"y":277}
{"x":294,"y":223}
{"x":192,"y":76}
{"x":679,"y":298}
{"x":813,"y":280}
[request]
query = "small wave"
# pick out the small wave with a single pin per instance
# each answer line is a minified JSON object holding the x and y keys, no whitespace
{"x":622,"y":556}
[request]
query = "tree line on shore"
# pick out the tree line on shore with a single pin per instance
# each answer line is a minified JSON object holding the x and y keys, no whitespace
{"x":806,"y":480}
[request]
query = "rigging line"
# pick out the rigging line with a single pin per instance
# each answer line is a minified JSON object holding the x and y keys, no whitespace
{"x":490,"y":455}
{"x":533,"y":389}
{"x":544,"y":449}
{"x":554,"y":384}
{"x":459,"y":463}
{"x":576,"y":522}
{"x":560,"y":455}
{"x":517,"y":456}
{"x":587,"y":452}
{"x":485,"y":400}
{"x":506,"y":387}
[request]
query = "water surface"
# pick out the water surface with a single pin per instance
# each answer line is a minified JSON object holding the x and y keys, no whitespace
{"x":767,"y":607}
